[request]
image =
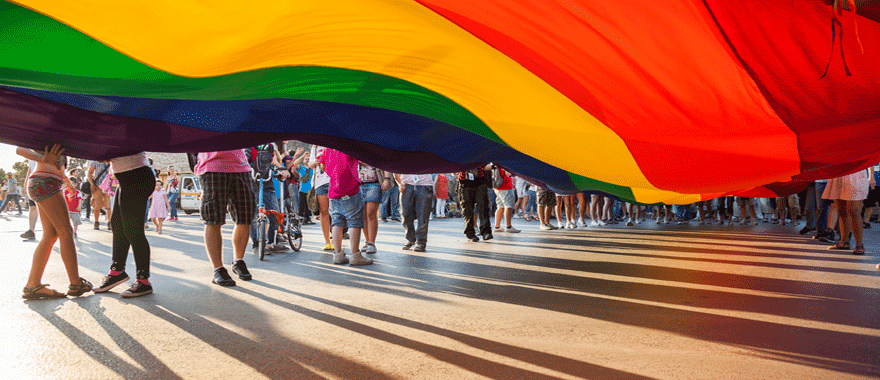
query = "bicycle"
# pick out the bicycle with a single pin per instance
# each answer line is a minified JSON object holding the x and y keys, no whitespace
{"x":288,"y":222}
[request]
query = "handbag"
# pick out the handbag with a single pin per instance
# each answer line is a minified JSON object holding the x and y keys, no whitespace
{"x":307,"y":177}
{"x":312,"y":200}
{"x":497,"y":179}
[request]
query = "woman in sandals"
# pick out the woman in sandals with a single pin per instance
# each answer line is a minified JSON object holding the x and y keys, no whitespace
{"x":44,"y":187}
{"x":849,"y":193}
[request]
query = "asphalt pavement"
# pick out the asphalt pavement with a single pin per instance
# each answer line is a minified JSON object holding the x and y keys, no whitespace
{"x":643,"y":302}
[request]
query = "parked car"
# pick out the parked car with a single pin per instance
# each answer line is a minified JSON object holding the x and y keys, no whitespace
{"x":190,"y":193}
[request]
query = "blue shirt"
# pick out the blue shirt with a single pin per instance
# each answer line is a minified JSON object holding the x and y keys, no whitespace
{"x":304,"y":171}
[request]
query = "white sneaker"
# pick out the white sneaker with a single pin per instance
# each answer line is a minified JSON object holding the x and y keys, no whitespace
{"x":629,"y":223}
{"x":665,"y":221}
{"x":593,"y":223}
{"x":602,"y":223}
{"x":638,"y":221}
{"x":569,"y":225}
{"x":357,"y":259}
{"x":511,"y":230}
{"x":499,"y":229}
{"x":582,"y":222}
{"x":339,"y":258}
{"x":369,"y":248}
{"x":546,"y":227}
{"x":560,"y":225}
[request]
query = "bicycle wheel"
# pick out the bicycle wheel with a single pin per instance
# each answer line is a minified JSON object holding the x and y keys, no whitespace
{"x":262,"y":226}
{"x":294,"y":233}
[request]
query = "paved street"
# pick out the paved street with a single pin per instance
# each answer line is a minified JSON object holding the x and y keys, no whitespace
{"x":665,"y":302}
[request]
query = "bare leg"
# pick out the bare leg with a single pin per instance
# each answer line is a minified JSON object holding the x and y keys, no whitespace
{"x":355,"y":240}
{"x":324,"y":205}
{"x":371,"y":222}
{"x":498,"y":214}
{"x":508,"y":216}
{"x":240,"y":236}
{"x":214,"y":244}
{"x":844,"y":218}
{"x":855,"y":214}
{"x":337,"y":238}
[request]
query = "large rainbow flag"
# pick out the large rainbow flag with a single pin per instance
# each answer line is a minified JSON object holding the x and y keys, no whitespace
{"x":673,"y":101}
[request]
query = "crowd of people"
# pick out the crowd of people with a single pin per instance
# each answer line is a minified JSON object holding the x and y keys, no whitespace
{"x":349,"y":197}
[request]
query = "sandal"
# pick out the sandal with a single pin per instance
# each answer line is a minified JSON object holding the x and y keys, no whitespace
{"x":31,"y":293}
{"x":860,"y":250}
{"x":840,"y":246}
{"x":78,"y":290}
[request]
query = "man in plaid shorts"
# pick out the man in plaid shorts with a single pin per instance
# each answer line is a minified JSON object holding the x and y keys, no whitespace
{"x":226,"y":181}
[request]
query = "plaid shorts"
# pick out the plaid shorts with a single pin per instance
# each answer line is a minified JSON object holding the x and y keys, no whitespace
{"x":227,"y":190}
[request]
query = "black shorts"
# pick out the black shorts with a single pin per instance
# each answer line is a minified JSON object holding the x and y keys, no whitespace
{"x":873,"y":197}
{"x":227,"y":190}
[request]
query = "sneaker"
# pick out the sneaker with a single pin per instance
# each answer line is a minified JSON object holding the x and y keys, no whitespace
{"x":369,"y":248}
{"x":582,"y":222}
{"x":806,"y":229}
{"x":137,"y":289}
{"x":594,"y":224}
{"x":222,"y":278}
{"x":570,"y":225}
{"x":328,"y":247}
{"x":560,"y":225}
{"x":418,"y":248}
{"x":97,"y":225}
{"x":511,"y":230}
{"x":29,"y":234}
{"x":110,"y":282}
{"x":629,"y":223}
{"x":408,"y":245}
{"x":473,"y":238}
{"x":339,"y":258}
{"x":357,"y":259}
{"x":277,"y":248}
{"x":499,"y":229}
{"x":546,"y":227}
{"x":239,"y":268}
{"x":487,"y":236}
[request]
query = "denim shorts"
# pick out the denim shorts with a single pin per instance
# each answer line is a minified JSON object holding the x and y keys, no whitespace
{"x":323,"y":189}
{"x":371,"y":192}
{"x":347,"y":211}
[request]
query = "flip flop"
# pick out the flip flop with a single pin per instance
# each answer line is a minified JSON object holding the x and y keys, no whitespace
{"x":31,"y":293}
{"x":839,"y":246}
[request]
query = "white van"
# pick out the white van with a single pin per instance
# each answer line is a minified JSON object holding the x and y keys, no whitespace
{"x":190,"y":193}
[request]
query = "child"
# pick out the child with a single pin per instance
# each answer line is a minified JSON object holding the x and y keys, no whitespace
{"x":159,"y":206}
{"x":44,"y":188}
{"x":73,"y":198}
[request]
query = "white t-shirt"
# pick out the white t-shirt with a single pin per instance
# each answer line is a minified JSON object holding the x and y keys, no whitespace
{"x":320,"y":177}
{"x":417,"y":179}
{"x":126,"y":163}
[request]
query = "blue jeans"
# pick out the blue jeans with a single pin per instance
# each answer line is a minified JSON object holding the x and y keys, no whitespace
{"x":682,"y":211}
{"x":270,"y":199}
{"x":390,"y":203}
{"x":172,"y":201}
{"x":415,"y":203}
{"x":532,"y":206}
{"x":824,"y":206}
